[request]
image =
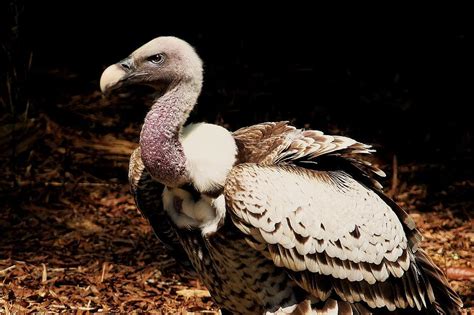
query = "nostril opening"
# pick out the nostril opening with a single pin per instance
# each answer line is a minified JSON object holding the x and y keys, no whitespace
{"x":126,"y":64}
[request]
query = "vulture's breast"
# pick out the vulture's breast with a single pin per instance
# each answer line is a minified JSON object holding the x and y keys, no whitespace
{"x":190,"y":209}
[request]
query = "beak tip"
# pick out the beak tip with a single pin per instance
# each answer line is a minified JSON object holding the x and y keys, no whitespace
{"x":111,"y":78}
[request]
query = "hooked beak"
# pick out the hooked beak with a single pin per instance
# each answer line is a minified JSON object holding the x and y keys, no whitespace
{"x":115,"y":76}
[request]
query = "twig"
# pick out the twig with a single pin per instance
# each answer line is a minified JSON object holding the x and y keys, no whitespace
{"x":44,"y":276}
{"x":83,"y":308}
{"x":4,"y":271}
{"x":58,"y":306}
{"x":104,"y":270}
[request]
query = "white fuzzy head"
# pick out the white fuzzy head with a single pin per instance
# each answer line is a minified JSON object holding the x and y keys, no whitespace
{"x":162,"y":63}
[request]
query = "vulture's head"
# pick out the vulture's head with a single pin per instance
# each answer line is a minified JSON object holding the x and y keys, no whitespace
{"x":162,"y":63}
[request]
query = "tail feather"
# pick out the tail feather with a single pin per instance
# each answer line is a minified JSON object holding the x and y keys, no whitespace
{"x":442,"y":296}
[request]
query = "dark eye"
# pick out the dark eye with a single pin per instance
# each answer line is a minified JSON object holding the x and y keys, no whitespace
{"x":156,"y":59}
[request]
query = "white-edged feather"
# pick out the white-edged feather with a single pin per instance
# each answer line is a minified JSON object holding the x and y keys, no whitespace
{"x":206,"y":213}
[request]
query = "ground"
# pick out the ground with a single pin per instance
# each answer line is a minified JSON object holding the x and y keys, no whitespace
{"x":71,"y":238}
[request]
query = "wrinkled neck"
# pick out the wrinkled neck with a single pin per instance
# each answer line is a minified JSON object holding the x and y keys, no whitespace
{"x":162,"y":151}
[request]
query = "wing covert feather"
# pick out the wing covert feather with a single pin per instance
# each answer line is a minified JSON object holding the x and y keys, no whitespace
{"x":332,"y":234}
{"x":324,"y":222}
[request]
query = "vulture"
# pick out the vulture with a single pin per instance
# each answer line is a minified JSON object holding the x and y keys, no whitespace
{"x":273,"y":219}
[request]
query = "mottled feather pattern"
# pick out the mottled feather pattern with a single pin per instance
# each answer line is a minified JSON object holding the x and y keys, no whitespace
{"x":146,"y":192}
{"x":277,"y":142}
{"x":226,"y":267}
{"x":308,"y":237}
{"x":261,"y":143}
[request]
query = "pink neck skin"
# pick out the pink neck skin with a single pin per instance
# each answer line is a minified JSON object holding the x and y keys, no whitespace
{"x":162,"y":151}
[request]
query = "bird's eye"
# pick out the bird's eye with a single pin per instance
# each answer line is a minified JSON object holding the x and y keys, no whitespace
{"x":156,"y":59}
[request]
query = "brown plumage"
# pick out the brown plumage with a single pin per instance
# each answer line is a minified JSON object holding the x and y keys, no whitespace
{"x":274,"y":219}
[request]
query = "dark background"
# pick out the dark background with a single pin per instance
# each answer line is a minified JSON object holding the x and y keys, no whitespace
{"x":393,"y":77}
{"x":404,"y":85}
